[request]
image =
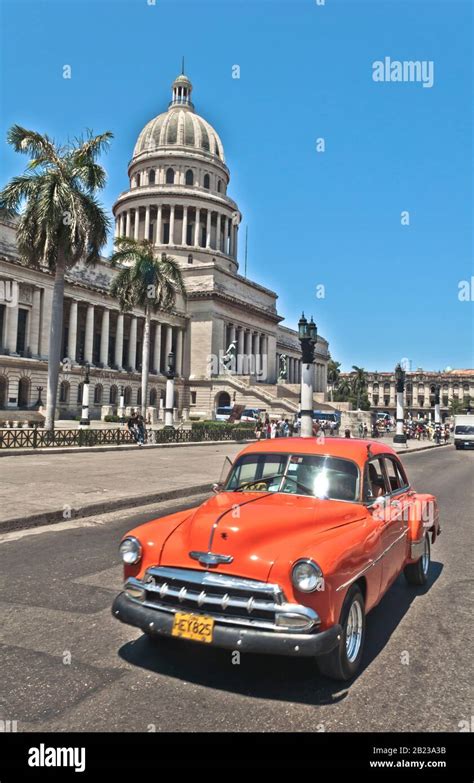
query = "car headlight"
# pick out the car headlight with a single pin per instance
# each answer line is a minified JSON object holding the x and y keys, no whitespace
{"x":130,"y":550}
{"x":307,"y":576}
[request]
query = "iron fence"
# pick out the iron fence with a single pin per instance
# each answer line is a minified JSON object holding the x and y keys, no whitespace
{"x":37,"y":438}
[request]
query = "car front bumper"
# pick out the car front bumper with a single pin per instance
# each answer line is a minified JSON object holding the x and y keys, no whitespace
{"x":230,"y":637}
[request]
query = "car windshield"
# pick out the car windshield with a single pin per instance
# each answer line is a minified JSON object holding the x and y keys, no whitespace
{"x":464,"y":429}
{"x":318,"y":475}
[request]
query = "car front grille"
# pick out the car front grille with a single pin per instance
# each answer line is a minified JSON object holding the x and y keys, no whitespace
{"x":226,"y":598}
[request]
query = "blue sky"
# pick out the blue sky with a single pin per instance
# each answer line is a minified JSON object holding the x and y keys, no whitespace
{"x":332,"y":218}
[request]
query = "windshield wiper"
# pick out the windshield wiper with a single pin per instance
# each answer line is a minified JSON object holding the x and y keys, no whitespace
{"x":257,"y":481}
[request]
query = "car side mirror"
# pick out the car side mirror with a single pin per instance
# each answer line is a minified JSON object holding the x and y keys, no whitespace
{"x":217,"y":487}
{"x":378,"y":503}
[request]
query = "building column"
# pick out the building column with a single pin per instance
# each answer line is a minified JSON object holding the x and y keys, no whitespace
{"x":72,"y":332}
{"x":147,"y":222}
{"x":185,"y":226}
{"x":248,"y":350}
{"x":258,"y":362}
{"x":117,"y":226}
{"x":119,"y":341}
{"x":208,"y":229}
{"x":136,"y":224}
{"x":132,"y":343}
{"x":240,"y":350}
{"x":159,"y":222}
{"x":169,"y":342}
{"x":236,"y":237}
{"x":233,"y":333}
{"x":264,"y":357}
{"x":128,"y":224}
{"x":104,"y":338}
{"x":89,"y":341}
{"x":197,"y":227}
{"x":219,"y":231}
{"x":231,"y":238}
{"x":171,"y":238}
{"x":179,"y":352}
{"x":11,"y":328}
{"x":35,"y":322}
{"x":157,"y":348}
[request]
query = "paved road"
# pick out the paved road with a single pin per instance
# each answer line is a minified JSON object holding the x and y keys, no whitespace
{"x":68,"y":665}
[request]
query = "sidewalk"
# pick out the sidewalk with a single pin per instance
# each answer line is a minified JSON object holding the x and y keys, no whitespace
{"x":52,"y":487}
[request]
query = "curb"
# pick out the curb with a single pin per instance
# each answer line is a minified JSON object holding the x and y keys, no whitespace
{"x":124,"y":447}
{"x":53,"y":517}
{"x":422,"y":448}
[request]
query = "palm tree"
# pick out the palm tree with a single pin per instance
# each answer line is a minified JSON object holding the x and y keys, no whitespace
{"x":343,"y":390}
{"x":145,"y":281}
{"x":60,"y":221}
{"x":333,"y":375}
{"x":359,"y":383}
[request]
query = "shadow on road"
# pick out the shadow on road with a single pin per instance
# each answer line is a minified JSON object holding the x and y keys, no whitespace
{"x":272,"y":677}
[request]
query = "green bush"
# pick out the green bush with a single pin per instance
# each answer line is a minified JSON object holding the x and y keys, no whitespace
{"x":112,"y":417}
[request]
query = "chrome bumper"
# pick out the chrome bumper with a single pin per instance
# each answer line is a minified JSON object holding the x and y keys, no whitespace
{"x":229,"y":636}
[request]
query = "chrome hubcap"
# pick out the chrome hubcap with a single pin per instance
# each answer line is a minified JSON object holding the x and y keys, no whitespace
{"x":354,"y":627}
{"x":425,"y":558}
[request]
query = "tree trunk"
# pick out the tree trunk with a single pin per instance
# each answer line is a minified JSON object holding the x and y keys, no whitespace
{"x":55,"y":340}
{"x":145,"y":360}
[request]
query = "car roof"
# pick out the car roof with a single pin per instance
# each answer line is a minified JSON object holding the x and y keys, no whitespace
{"x":349,"y":448}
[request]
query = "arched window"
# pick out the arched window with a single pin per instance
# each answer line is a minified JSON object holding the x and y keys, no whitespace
{"x":127,"y":395}
{"x":153,"y":396}
{"x":170,"y":176}
{"x":189,"y":177}
{"x":207,"y":181}
{"x":151,"y":177}
{"x":113,"y":395}
{"x":223,"y":400}
{"x":79,"y":392}
{"x":3,"y":391}
{"x":98,"y":394}
{"x":137,"y":180}
{"x":219,"y":186}
{"x":23,"y":392}
{"x":64,"y":392}
{"x":190,"y":258}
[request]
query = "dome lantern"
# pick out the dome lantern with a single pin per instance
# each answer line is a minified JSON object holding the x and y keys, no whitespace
{"x":181,"y":90}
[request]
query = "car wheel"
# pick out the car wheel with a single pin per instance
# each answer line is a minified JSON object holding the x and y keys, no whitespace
{"x":417,"y":573}
{"x":343,"y":662}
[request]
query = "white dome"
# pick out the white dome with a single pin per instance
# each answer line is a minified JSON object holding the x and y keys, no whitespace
{"x":180,"y":126}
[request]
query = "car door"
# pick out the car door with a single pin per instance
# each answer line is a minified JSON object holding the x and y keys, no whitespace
{"x":396,"y":519}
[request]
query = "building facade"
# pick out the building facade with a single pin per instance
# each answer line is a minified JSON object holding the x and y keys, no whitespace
{"x":420,"y":388}
{"x":229,"y":343}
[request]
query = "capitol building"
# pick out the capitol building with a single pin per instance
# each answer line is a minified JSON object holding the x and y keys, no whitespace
{"x":177,"y":197}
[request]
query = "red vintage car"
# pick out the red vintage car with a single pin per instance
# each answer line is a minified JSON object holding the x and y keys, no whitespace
{"x":302,"y":539}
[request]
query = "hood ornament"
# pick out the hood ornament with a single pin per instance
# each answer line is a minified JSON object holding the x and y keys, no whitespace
{"x":210,"y":558}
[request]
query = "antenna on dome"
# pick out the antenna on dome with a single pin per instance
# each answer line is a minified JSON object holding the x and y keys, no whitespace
{"x":182,"y":66}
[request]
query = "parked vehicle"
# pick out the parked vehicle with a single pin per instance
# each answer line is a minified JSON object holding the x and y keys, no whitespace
{"x":322,"y":532}
{"x":464,"y":431}
{"x":223,"y":413}
{"x":250,"y":414}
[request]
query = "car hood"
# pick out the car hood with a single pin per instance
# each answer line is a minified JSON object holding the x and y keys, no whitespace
{"x":255,"y":529}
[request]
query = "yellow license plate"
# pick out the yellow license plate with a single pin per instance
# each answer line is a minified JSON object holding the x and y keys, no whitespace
{"x":193,"y":626}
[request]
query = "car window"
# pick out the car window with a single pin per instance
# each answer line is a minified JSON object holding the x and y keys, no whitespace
{"x":297,"y":474}
{"x":374,"y":484}
{"x":396,"y":479}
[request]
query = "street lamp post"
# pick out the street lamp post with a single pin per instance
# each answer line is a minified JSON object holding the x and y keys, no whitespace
{"x":400,"y":436}
{"x":121,"y":410}
{"x":308,"y":335}
{"x":169,"y":399}
{"x":437,"y":403}
{"x":85,"y":421}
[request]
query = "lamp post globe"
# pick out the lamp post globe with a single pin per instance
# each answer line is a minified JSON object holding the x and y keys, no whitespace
{"x":399,"y":436}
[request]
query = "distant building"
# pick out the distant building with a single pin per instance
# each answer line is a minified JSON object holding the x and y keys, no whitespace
{"x":420,"y":386}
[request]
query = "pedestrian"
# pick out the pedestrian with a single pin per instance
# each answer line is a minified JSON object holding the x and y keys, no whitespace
{"x":361,"y":429}
{"x":258,"y":429}
{"x":141,"y":429}
{"x":365,"y":431}
{"x":347,"y":433}
{"x":273,"y":429}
